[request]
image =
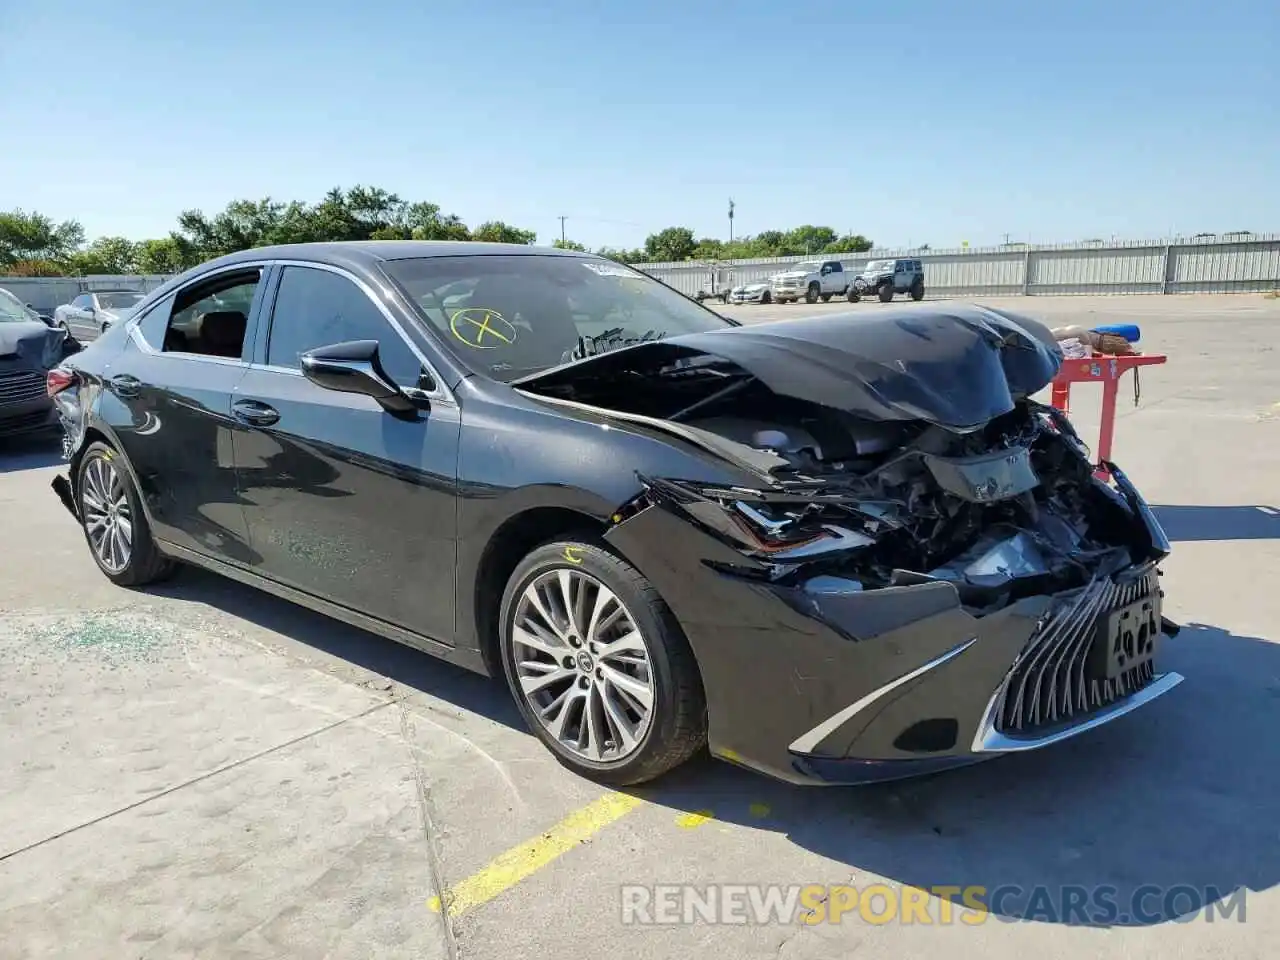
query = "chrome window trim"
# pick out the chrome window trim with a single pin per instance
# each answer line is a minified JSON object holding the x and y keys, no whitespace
{"x":440,"y":392}
{"x":135,"y":320}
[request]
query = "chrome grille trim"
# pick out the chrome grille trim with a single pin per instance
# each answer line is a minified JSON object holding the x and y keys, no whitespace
{"x":1049,"y":684}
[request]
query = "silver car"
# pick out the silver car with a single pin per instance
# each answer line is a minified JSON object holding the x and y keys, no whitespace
{"x":758,"y":292}
{"x":99,"y":309}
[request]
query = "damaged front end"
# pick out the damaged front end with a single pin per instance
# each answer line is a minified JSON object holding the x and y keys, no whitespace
{"x":940,"y":537}
{"x":1009,"y":511}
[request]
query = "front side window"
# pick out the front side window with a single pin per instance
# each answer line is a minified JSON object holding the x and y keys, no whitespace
{"x":317,"y":308}
{"x":508,"y":317}
{"x":82,"y":302}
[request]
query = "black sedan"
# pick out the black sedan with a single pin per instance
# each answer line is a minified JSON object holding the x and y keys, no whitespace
{"x":835,"y":550}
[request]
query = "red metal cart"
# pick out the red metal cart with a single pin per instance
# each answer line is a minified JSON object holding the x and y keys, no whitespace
{"x":1106,"y":370}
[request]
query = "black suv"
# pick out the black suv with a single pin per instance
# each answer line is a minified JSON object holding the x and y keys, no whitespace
{"x":887,"y":277}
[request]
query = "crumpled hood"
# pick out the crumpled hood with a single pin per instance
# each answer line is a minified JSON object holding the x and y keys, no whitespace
{"x":951,"y":365}
{"x":39,"y":345}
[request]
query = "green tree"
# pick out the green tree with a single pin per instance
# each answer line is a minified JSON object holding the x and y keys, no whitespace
{"x":622,"y":256}
{"x":808,"y":239}
{"x":165,"y":255}
{"x":495,"y":231}
{"x":569,"y":245}
{"x":33,"y":236}
{"x":849,"y":243}
{"x":108,"y":255}
{"x":673,"y":243}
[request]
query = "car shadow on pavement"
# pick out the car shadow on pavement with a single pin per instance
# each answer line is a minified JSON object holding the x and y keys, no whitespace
{"x":1144,"y":821}
{"x":400,"y":663}
{"x":1185,"y":523}
{"x":29,"y":453}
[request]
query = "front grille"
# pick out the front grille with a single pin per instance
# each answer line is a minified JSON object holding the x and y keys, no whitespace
{"x":1051,"y":682}
{"x":21,"y":386}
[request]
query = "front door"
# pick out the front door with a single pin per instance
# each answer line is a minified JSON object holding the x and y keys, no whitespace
{"x":344,"y":500}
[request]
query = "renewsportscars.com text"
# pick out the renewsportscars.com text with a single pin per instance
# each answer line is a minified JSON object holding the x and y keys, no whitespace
{"x":880,"y":903}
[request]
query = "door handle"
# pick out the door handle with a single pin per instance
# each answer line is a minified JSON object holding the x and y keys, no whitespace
{"x":125,"y":385}
{"x":258,"y":414}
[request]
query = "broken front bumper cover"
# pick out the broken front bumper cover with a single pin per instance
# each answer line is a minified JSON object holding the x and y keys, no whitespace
{"x":819,"y":684}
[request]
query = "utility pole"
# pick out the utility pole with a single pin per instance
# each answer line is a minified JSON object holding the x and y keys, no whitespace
{"x":562,"y":220}
{"x":731,"y":219}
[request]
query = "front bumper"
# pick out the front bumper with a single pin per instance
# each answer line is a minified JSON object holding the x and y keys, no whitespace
{"x":788,"y":293}
{"x":878,"y":685}
{"x":753,"y":296}
{"x":33,"y":416}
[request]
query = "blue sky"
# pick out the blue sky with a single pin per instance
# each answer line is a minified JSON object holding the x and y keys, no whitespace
{"x":923,"y":122}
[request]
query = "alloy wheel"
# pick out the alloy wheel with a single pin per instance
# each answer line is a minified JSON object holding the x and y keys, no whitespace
{"x":108,"y":520}
{"x":583,"y":665}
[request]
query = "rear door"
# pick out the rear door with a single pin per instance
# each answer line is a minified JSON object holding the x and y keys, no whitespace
{"x":901,"y":275}
{"x":167,"y":397}
{"x":344,"y":500}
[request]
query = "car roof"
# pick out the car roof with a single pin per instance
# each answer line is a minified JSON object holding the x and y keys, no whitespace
{"x":368,"y":252}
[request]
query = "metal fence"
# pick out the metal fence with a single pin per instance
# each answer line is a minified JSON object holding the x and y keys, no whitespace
{"x":46,"y":293}
{"x":1219,"y":264}
{"x":1235,"y":264}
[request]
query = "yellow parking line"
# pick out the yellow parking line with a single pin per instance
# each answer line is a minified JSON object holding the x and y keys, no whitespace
{"x":520,"y":862}
{"x":690,"y":821}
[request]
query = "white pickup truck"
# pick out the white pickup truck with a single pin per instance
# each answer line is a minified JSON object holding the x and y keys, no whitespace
{"x":810,"y":280}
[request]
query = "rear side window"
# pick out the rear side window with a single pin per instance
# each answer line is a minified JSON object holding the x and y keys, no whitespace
{"x":316,"y":308}
{"x":210,"y":318}
{"x":153,"y":324}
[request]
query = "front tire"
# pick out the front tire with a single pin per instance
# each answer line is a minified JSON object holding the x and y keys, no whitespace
{"x":113,"y":522}
{"x":766,"y":297}
{"x":598,"y":665}
{"x":852,"y":294}
{"x":886,"y":292}
{"x":917,"y":290}
{"x":811,"y":295}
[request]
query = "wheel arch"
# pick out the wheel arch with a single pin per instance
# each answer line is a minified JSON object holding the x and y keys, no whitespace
{"x":510,"y":543}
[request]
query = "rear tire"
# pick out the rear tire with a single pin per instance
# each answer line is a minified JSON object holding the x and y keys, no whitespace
{"x":606,"y":673}
{"x":114,"y":524}
{"x":886,"y":292}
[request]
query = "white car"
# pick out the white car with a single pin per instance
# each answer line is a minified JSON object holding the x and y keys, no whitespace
{"x":100,"y":308}
{"x":758,"y":292}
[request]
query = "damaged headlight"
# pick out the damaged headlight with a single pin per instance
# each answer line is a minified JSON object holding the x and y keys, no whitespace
{"x":761,"y":525}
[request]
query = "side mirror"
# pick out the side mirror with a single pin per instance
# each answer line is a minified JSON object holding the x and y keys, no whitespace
{"x":353,"y":367}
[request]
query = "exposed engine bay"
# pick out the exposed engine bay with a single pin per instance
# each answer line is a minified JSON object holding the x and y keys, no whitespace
{"x":1007,"y":511}
{"x":940,"y":467}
